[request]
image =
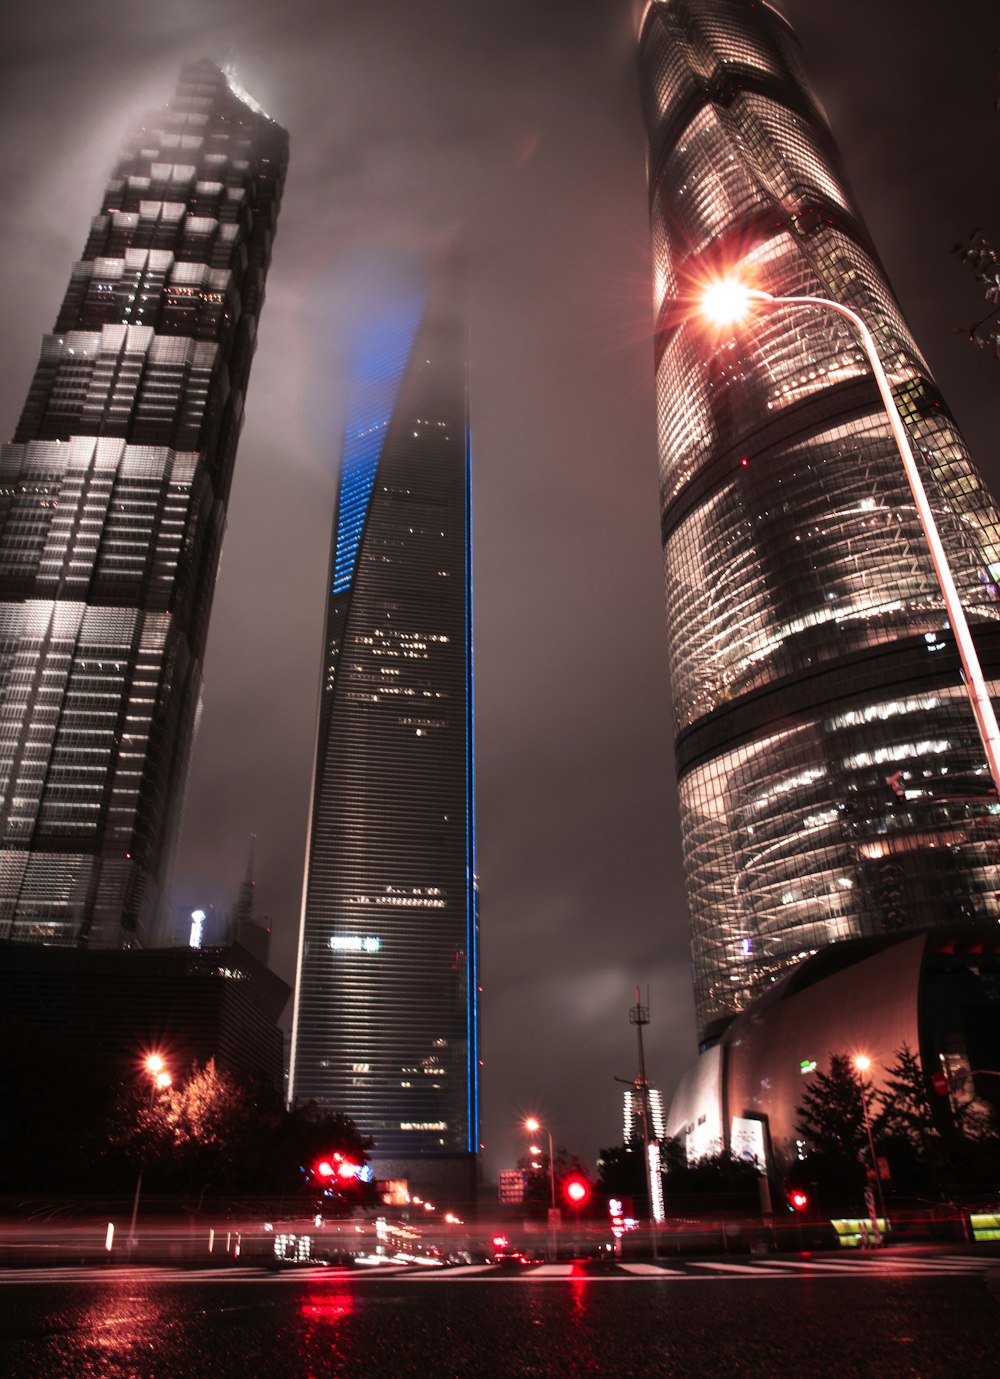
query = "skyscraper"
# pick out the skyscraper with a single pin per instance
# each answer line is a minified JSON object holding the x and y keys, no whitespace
{"x":386,"y":1000}
{"x":832,"y":781}
{"x":112,"y":511}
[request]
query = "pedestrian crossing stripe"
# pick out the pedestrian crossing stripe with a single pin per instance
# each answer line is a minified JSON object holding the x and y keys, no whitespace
{"x":858,"y":1267}
{"x":651,"y":1270}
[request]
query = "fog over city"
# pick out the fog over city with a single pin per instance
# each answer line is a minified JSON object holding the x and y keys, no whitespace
{"x":517,"y":126}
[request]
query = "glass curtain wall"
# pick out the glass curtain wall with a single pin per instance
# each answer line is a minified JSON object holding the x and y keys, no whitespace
{"x":832,"y":781}
{"x":112,"y":509}
{"x":386,"y":1010}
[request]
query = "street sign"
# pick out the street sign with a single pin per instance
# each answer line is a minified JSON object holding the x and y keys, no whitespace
{"x":555,"y":1219}
{"x":511,"y":1185}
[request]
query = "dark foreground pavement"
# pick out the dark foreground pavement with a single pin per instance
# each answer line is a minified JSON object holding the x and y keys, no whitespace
{"x":126,"y":1325}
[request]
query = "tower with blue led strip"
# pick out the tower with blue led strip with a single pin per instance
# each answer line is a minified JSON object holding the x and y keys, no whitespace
{"x":386,"y":1008}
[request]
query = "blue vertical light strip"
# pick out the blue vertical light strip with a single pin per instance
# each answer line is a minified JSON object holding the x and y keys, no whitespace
{"x":470,"y":745}
{"x":379,"y":361}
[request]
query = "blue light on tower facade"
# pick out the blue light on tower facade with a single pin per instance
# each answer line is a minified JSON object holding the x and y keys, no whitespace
{"x":386,"y":1013}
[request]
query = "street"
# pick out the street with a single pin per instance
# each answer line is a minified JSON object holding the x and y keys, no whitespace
{"x":917,"y":1313}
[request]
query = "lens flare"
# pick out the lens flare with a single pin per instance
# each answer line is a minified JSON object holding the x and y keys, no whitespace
{"x":725,"y":301}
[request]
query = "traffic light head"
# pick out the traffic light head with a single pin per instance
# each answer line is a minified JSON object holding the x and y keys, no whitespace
{"x":798,"y":1200}
{"x":576,"y":1190}
{"x":335,"y":1168}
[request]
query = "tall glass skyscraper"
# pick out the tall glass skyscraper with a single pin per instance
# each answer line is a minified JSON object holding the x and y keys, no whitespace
{"x":386,"y":1001}
{"x":832,"y":781}
{"x":112,"y":510}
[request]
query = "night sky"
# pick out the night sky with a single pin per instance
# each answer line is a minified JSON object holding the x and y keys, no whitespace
{"x":520,"y":122}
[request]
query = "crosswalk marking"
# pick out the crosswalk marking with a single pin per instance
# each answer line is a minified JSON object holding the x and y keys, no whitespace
{"x":731,"y":1268}
{"x":881,"y":1266}
{"x":840,"y":1266}
{"x":456,"y":1271}
{"x":656,"y":1270}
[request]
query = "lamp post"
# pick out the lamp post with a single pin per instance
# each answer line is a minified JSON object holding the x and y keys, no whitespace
{"x":533,"y":1126}
{"x":159,"y":1081}
{"x":725,"y":302}
{"x":863,"y":1063}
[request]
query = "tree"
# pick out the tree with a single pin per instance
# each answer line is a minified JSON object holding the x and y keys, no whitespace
{"x":191,"y":1137}
{"x":719,"y":1175}
{"x":831,"y":1121}
{"x":211,"y":1134}
{"x":979,"y":255}
{"x":621,"y":1172}
{"x":831,"y":1114}
{"x":537,"y":1182}
{"x":908,"y":1111}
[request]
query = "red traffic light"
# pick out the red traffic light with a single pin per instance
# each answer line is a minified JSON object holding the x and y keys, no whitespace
{"x":576,"y":1190}
{"x":336,"y":1166}
{"x":798,"y":1199}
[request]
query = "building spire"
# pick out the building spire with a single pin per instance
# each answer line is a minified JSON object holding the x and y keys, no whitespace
{"x":243,"y":913}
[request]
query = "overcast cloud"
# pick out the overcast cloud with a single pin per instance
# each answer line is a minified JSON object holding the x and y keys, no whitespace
{"x":519,"y":121}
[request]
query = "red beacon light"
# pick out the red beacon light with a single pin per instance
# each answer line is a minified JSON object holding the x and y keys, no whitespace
{"x":576,"y":1190}
{"x":325,"y":1170}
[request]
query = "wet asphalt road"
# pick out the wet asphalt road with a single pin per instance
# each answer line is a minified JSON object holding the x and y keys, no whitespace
{"x":115,"y":1326}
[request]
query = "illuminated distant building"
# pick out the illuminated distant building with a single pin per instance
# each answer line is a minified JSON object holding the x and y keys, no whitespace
{"x":633,"y":1116}
{"x":832,"y":782}
{"x":112,"y":510}
{"x":386,"y":1000}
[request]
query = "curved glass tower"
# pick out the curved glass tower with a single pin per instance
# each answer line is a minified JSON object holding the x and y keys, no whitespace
{"x":386,"y":1004}
{"x":112,"y":512}
{"x":832,"y":780}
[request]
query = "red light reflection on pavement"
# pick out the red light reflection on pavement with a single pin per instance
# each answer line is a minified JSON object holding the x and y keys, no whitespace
{"x":324,"y":1343}
{"x":329,"y":1308}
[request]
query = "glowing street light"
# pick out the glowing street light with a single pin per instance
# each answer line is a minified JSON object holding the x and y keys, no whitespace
{"x":862,"y":1064}
{"x":727,"y":301}
{"x":533,"y":1126}
{"x":159,"y":1081}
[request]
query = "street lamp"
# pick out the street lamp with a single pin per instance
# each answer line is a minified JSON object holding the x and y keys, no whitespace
{"x":159,"y":1081}
{"x":863,"y":1063}
{"x":533,"y":1126}
{"x":726,"y":301}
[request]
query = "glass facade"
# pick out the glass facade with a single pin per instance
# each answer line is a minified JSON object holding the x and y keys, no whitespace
{"x":112,"y":508}
{"x":386,"y":1013}
{"x":832,"y":781}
